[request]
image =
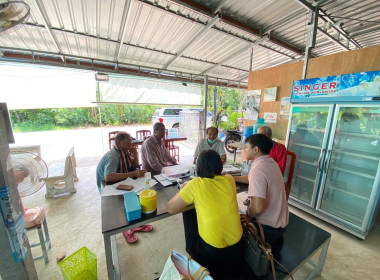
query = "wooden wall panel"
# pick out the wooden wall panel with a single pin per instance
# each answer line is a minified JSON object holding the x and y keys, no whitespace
{"x":281,"y":77}
{"x":362,"y":60}
{"x":367,"y":59}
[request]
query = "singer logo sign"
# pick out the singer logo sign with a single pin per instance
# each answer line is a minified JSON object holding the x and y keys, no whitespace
{"x":319,"y":88}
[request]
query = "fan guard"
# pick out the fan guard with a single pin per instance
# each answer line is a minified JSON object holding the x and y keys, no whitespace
{"x":35,"y":171}
{"x":12,"y":15}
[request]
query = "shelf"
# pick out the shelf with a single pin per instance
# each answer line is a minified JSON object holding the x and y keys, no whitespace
{"x":306,"y":145}
{"x":305,"y":178}
{"x":342,"y":211}
{"x":354,"y":153}
{"x":333,"y":186}
{"x":307,"y":162}
{"x":344,"y":134}
{"x":311,"y":129}
{"x":357,"y":171}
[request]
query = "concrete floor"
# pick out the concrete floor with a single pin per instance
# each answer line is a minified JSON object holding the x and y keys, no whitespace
{"x":75,"y":221}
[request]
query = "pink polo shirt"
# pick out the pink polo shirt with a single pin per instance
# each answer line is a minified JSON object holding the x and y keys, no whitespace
{"x":266,"y":181}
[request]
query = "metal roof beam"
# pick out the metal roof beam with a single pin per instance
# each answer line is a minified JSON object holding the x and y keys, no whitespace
{"x":127,"y":44}
{"x":206,"y":11}
{"x":191,"y":42}
{"x":257,"y":43}
{"x":220,"y":30}
{"x":319,"y":3}
{"x":327,"y":35}
{"x":220,"y":6}
{"x":48,"y":26}
{"x":37,"y":57}
{"x":326,"y":18}
{"x":123,"y":27}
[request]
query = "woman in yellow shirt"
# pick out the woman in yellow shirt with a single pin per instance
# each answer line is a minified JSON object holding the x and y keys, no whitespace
{"x":213,"y":231}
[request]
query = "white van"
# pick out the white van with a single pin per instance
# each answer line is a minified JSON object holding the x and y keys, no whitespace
{"x":170,"y":116}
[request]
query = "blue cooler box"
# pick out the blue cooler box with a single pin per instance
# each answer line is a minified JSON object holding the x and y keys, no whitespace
{"x":132,"y":206}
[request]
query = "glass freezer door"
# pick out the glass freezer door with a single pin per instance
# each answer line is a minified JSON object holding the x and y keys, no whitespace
{"x":351,"y":175}
{"x":307,"y":138}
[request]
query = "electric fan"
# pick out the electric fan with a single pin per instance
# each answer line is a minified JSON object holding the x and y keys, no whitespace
{"x":12,"y":15}
{"x":30,"y":172}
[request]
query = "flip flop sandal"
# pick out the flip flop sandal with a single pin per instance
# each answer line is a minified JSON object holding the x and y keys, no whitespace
{"x":130,"y":237}
{"x":144,"y":228}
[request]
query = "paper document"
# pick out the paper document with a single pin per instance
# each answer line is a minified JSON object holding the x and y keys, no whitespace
{"x":176,"y":171}
{"x":230,"y":169}
{"x":138,"y":185}
{"x":164,"y":180}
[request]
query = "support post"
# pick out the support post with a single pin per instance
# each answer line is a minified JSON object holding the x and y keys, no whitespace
{"x":215,"y":103}
{"x":205,"y":106}
{"x":311,"y":35}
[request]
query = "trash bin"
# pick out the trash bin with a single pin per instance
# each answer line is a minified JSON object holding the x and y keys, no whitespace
{"x":82,"y":265}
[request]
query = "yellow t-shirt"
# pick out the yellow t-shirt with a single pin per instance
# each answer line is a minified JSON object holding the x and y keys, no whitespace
{"x":217,"y":209}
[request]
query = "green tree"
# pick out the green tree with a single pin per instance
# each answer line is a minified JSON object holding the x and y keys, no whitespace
{"x":228,"y":100}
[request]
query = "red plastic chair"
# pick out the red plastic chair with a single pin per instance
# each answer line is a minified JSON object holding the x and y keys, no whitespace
{"x":111,"y":138}
{"x":288,"y":174}
{"x":173,"y":150}
{"x":140,"y":134}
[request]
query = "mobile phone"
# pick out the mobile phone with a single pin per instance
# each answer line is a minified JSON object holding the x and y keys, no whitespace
{"x":124,"y":187}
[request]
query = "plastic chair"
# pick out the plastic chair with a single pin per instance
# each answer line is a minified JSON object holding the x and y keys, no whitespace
{"x":140,"y":134}
{"x":111,"y":138}
{"x":62,"y":176}
{"x":173,"y":150}
{"x":288,"y":174}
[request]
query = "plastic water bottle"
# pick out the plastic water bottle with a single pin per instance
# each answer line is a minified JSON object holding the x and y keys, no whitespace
{"x":258,"y":124}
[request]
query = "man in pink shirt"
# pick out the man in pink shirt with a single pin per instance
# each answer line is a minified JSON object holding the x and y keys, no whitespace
{"x":266,"y":190}
{"x":278,"y":151}
{"x":155,"y":156}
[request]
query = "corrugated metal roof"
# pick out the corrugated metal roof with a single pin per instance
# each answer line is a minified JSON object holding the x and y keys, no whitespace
{"x":187,"y":38}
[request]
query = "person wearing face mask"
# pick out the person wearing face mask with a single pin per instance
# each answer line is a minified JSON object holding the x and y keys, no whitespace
{"x":211,"y":143}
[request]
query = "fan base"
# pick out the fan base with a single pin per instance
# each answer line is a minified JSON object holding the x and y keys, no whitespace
{"x":33,"y":216}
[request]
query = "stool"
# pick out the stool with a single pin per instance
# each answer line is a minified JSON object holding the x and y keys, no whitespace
{"x":44,"y":242}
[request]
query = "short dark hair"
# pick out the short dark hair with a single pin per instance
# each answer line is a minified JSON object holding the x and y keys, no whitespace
{"x":212,"y":127}
{"x":261,"y":141}
{"x":209,"y":164}
{"x":157,"y":126}
{"x":120,"y":136}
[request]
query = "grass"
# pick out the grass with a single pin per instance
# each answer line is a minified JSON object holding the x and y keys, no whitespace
{"x":31,"y":128}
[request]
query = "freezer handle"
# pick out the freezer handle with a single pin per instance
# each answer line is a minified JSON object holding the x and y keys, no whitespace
{"x":326,"y":160}
{"x":320,"y":159}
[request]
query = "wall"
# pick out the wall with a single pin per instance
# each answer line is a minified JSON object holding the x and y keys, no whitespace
{"x":366,"y":59}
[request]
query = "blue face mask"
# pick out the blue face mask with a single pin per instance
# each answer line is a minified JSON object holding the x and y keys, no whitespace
{"x":211,"y":141}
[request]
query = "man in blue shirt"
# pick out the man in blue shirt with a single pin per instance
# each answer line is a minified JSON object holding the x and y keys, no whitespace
{"x":120,"y":163}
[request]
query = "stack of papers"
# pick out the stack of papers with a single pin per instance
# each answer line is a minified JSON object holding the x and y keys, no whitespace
{"x":176,"y":171}
{"x":138,"y":185}
{"x":165,"y":180}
